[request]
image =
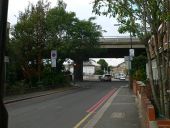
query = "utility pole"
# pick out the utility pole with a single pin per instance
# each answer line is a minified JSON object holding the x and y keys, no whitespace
{"x":3,"y":24}
{"x":131,"y":54}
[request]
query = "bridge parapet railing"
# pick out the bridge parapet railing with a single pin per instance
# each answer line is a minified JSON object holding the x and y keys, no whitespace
{"x":118,"y":39}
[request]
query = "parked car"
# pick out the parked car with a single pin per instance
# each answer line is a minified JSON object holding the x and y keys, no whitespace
{"x":106,"y":77}
{"x":122,"y":77}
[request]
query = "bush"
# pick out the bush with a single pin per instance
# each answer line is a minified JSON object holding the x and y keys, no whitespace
{"x":18,"y":87}
{"x":138,"y":70}
{"x":51,"y":78}
{"x":99,"y":72}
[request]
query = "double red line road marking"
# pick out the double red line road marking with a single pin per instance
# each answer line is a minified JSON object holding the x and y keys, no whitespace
{"x":101,"y":101}
{"x":93,"y":109}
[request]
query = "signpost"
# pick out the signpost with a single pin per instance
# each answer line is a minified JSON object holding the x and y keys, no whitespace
{"x":3,"y":31}
{"x":53,"y":58}
{"x":131,"y":52}
{"x":131,"y":55}
{"x":53,"y":54}
{"x":53,"y":63}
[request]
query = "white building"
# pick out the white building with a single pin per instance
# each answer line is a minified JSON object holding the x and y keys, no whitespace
{"x":89,"y":67}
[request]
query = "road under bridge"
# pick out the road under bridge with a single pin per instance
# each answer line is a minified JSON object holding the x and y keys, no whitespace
{"x":112,"y":47}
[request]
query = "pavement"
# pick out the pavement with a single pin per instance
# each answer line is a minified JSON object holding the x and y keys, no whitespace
{"x":122,"y":111}
{"x":119,"y":111}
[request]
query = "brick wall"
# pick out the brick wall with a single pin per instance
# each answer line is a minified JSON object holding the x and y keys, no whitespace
{"x":143,"y":93}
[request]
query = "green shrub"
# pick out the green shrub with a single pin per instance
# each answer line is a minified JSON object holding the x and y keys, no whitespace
{"x":99,"y":72}
{"x":18,"y":87}
{"x":138,"y":70}
{"x":51,"y":78}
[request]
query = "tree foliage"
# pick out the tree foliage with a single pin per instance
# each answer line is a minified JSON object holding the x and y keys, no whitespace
{"x":29,"y":39}
{"x":103,"y":63}
{"x":40,"y":29}
{"x":139,"y":68}
{"x":73,"y":38}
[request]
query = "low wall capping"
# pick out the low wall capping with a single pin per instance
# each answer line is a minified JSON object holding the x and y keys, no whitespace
{"x":147,"y":108}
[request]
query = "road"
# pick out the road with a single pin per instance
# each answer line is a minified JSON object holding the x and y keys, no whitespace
{"x":61,"y":110}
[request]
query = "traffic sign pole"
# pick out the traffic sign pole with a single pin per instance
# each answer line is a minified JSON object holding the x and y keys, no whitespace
{"x":53,"y":58}
{"x":3,"y":25}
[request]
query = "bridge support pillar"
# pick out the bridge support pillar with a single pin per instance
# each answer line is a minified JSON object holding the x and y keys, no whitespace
{"x":78,"y":70}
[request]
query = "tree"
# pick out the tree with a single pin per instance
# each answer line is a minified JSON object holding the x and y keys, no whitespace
{"x":84,"y":41}
{"x":141,"y":18}
{"x":104,"y":64}
{"x":139,"y":68}
{"x":73,"y":38}
{"x":59,"y":22}
{"x":41,"y":29}
{"x":99,"y":72}
{"x":29,"y":39}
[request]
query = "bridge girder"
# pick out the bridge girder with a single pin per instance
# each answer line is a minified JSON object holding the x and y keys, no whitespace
{"x":120,"y":42}
{"x":117,"y":53}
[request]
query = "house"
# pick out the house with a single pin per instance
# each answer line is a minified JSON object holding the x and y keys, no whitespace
{"x":89,"y":67}
{"x":120,"y":69}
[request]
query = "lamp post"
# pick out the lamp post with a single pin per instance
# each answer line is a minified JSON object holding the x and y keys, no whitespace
{"x":3,"y":24}
{"x":131,"y":54}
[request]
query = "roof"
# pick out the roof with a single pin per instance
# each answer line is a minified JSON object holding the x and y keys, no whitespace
{"x":89,"y":63}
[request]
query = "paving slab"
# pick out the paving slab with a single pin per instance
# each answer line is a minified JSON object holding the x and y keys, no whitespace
{"x":122,"y":113}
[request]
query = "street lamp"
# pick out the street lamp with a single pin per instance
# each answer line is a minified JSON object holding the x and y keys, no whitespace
{"x":131,"y":54}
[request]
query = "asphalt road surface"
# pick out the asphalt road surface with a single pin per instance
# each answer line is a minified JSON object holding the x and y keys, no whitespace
{"x":61,"y":110}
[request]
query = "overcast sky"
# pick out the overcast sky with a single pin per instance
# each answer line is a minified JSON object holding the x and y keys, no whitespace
{"x":83,"y":10}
